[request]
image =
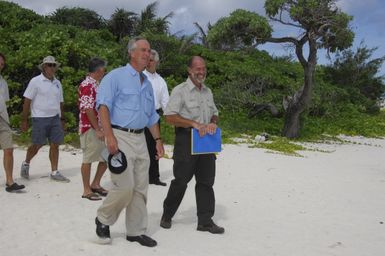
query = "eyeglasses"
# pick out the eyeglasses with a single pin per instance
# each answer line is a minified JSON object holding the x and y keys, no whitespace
{"x":51,"y":65}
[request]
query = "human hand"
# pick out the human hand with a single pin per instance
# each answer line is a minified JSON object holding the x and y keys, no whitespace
{"x":201,"y":128}
{"x":24,"y":125}
{"x":159,"y":149}
{"x":112,"y":144}
{"x":211,"y":128}
{"x":99,"y":134}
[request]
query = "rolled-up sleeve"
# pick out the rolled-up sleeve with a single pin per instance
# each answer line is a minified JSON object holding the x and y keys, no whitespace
{"x":153,"y":119}
{"x":105,"y":93}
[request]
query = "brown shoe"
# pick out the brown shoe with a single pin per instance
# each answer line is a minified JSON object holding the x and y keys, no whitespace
{"x":212,"y":228}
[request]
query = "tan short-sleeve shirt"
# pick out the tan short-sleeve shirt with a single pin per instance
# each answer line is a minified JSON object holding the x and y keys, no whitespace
{"x":191,"y":103}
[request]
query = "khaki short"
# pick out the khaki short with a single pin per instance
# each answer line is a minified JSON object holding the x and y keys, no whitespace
{"x":92,"y":147}
{"x":5,"y":135}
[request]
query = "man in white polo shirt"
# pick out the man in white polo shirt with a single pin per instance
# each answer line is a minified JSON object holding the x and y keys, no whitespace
{"x":44,"y":97}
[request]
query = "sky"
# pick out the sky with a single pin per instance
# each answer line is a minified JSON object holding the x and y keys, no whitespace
{"x":368,"y":20}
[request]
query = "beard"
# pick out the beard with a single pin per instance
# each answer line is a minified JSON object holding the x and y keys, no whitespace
{"x":199,"y":78}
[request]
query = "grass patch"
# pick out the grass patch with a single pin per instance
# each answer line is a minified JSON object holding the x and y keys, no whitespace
{"x":281,"y":145}
{"x":240,"y":128}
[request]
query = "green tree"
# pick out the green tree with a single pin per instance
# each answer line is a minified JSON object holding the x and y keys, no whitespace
{"x":79,"y":17}
{"x":13,"y":18}
{"x":122,"y":23}
{"x":202,"y":33}
{"x":357,"y":73}
{"x":321,"y":24}
{"x":148,"y":22}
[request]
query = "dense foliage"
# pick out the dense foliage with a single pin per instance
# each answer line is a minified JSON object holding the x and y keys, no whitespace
{"x":242,"y":81}
{"x":320,"y":24}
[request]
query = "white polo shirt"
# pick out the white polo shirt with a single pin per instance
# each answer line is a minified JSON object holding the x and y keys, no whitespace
{"x":160,"y":89}
{"x":46,"y":96}
{"x":4,"y":97}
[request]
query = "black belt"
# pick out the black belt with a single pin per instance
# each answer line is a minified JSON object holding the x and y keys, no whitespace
{"x":160,"y":111}
{"x":127,"y":129}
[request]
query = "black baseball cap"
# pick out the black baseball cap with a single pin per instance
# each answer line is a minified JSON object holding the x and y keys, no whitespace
{"x":117,"y":163}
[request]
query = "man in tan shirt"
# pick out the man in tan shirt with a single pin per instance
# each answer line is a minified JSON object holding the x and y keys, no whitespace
{"x":191,"y":105}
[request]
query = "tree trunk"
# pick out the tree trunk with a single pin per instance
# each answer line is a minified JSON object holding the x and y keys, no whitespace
{"x":302,"y":98}
{"x":297,"y":105}
{"x":292,"y":124}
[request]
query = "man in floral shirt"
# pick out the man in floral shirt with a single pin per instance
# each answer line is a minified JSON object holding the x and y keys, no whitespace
{"x":91,"y":133}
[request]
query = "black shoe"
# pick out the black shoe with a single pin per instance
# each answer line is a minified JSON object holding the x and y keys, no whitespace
{"x":103,"y":232}
{"x":158,"y":182}
{"x":14,"y":187}
{"x":212,"y":228}
{"x":165,"y":222}
{"x":143,"y":240}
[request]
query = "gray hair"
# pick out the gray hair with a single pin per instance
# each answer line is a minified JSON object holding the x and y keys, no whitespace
{"x":95,"y":64}
{"x":155,"y":54}
{"x":132,"y":43}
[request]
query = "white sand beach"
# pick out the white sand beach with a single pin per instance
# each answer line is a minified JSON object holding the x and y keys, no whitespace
{"x":324,"y":203}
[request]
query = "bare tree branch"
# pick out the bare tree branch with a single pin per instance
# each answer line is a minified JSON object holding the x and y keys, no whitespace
{"x":285,"y":22}
{"x":283,"y":40}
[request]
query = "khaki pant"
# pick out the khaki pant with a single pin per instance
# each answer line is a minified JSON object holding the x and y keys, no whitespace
{"x":92,"y":147}
{"x":5,"y":135}
{"x":129,"y":188}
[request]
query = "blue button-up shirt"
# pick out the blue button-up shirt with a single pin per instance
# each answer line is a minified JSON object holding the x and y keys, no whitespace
{"x":130,"y":103}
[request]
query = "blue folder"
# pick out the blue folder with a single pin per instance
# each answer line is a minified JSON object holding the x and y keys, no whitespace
{"x":207,"y":144}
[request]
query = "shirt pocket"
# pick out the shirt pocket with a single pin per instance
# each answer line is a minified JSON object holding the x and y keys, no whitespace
{"x":193,"y":108}
{"x":129,"y":99}
{"x":148,"y":103}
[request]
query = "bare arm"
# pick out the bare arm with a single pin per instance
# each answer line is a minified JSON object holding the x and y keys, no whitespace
{"x":94,"y":123}
{"x":62,"y":115}
{"x":159,"y":144}
{"x":62,"y":110}
{"x":180,"y":121}
{"x":25,"y":114}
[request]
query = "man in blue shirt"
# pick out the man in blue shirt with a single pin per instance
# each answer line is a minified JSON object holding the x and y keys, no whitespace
{"x":125,"y":102}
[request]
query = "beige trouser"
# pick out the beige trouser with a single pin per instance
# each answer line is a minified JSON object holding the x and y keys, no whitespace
{"x":129,"y":189}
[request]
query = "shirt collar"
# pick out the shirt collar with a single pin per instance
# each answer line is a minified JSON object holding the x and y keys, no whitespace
{"x":91,"y":80}
{"x":149,"y":74}
{"x":47,"y":79}
{"x":135,"y":73}
{"x":192,"y":86}
{"x":132,"y":70}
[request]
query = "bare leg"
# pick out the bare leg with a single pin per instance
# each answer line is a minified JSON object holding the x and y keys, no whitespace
{"x":102,"y":166}
{"x":86,"y":173}
{"x":8,"y":165}
{"x":54,"y":156}
{"x":31,"y":152}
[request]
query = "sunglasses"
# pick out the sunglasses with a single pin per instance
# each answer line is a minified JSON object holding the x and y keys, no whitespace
{"x":51,"y":65}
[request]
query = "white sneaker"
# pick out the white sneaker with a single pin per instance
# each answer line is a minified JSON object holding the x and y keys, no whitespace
{"x":59,"y":177}
{"x":24,"y":170}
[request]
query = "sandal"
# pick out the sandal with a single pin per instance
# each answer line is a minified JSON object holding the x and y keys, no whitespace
{"x":14,"y":187}
{"x":92,"y":197}
{"x":101,"y":191}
